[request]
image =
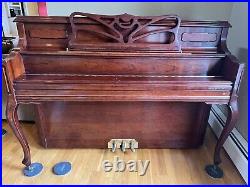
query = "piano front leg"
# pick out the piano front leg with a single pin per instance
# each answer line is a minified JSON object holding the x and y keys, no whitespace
{"x":12,"y":118}
{"x":214,"y":170}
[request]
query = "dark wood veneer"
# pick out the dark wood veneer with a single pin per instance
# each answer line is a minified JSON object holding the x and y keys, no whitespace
{"x":98,"y":77}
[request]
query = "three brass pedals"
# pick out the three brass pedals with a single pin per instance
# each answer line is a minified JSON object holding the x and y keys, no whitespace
{"x":123,"y":144}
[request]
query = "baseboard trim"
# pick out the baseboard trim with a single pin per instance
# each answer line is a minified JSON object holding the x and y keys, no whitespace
{"x":236,"y":146}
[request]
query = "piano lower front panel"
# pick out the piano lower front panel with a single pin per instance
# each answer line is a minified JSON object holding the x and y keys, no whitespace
{"x":93,"y":124}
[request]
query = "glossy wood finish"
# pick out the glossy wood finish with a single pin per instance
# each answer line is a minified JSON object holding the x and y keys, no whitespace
{"x":12,"y":68}
{"x":12,"y":118}
{"x":236,"y":73}
{"x":99,"y":70}
{"x":107,"y":64}
{"x":121,"y":88}
{"x":55,"y":33}
{"x":98,"y":122}
{"x":125,"y":31}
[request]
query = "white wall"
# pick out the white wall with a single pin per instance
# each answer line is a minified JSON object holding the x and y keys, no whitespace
{"x":9,"y":27}
{"x":238,"y":45}
{"x":195,"y":11}
{"x":5,"y":22}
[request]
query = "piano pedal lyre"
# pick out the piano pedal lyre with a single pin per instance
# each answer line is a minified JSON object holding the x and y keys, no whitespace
{"x":123,"y":144}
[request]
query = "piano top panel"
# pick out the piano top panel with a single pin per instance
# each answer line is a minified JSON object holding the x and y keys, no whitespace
{"x":90,"y":33}
{"x":65,"y":20}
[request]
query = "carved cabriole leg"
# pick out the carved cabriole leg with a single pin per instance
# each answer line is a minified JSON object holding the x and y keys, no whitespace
{"x":214,"y":170}
{"x":12,"y":118}
{"x":230,"y":124}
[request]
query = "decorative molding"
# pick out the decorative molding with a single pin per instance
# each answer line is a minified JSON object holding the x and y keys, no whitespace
{"x":118,"y":24}
{"x":236,"y":146}
{"x":125,"y":29}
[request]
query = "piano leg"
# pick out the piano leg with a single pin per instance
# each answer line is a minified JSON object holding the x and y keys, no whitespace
{"x":12,"y":118}
{"x":214,"y":170}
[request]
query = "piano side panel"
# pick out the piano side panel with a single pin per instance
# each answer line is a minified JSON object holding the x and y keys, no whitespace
{"x":52,"y":64}
{"x":93,"y":124}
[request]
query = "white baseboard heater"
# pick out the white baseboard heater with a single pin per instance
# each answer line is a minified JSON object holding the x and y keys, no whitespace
{"x":236,"y":146}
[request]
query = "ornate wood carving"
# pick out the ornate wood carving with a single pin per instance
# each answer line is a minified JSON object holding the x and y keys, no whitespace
{"x":126,"y":29}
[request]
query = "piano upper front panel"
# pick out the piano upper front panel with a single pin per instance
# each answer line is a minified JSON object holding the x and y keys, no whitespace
{"x":80,"y":64}
{"x":55,"y":35}
{"x":46,"y":36}
{"x":199,"y":37}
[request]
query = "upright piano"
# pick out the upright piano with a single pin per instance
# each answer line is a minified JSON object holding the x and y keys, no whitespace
{"x":95,"y":78}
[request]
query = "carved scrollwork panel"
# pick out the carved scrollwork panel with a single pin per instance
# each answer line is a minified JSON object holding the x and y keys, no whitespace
{"x":126,"y":29}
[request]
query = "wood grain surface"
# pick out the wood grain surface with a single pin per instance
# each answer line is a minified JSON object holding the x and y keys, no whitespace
{"x":167,"y":166}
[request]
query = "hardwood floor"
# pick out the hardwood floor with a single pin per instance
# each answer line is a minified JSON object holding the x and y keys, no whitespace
{"x":167,"y":166}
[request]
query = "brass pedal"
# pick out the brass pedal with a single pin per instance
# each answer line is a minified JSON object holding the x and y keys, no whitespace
{"x":123,"y":144}
{"x":113,"y":146}
{"x":132,"y":146}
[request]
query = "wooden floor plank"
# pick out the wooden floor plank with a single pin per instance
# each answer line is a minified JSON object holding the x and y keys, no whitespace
{"x":167,"y":166}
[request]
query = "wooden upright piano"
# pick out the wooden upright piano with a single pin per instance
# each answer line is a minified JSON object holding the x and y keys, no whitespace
{"x":93,"y":78}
